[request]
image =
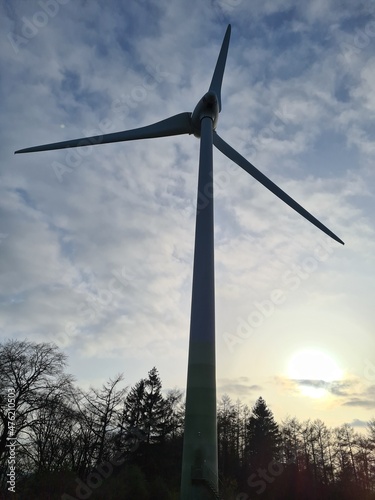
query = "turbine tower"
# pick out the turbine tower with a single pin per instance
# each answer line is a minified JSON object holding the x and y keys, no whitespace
{"x":199,"y":463}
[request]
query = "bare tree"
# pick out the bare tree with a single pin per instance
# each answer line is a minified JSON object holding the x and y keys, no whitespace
{"x":31,"y":376}
{"x":292,"y":443}
{"x":174,"y":419}
{"x":100,"y":410}
{"x":345,"y":442}
{"x":47,"y":438}
{"x":324,"y":457}
{"x":227,"y":429}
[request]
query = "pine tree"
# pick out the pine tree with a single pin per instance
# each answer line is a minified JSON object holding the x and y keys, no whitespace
{"x":263,"y":437}
{"x":132,"y":421}
{"x":147,"y":416}
{"x":157,"y":411}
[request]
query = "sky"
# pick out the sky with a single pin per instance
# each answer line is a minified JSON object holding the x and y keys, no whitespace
{"x":97,"y":243}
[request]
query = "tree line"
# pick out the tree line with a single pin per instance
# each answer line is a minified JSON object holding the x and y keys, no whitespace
{"x":124,"y":443}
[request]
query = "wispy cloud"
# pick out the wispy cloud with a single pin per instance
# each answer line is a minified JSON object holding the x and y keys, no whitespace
{"x":240,"y":387}
{"x":364,"y":399}
{"x":349,"y":393}
{"x":99,"y":243}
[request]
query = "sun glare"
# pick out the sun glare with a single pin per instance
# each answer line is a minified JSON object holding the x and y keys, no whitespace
{"x":313,"y":369}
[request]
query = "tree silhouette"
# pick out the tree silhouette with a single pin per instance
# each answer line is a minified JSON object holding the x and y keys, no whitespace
{"x":63,"y":433}
{"x":33,"y":374}
{"x":263,"y":436}
{"x":102,"y":408}
{"x":228,"y":436}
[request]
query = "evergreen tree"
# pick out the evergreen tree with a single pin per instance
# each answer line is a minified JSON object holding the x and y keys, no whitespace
{"x":157,"y":411}
{"x":263,"y":437}
{"x":147,"y":418}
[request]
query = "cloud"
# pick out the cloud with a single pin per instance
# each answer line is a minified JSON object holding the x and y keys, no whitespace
{"x":337,"y":388}
{"x":349,"y":393}
{"x":358,"y":423}
{"x":238,"y":387}
{"x":364,"y":399}
{"x":293,"y":104}
{"x":359,"y":402}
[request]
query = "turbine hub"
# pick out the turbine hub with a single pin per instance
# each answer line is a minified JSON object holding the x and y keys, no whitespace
{"x":207,"y":106}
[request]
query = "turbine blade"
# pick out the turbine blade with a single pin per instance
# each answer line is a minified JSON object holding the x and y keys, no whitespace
{"x":217,"y":78}
{"x":175,"y":125}
{"x":233,"y":155}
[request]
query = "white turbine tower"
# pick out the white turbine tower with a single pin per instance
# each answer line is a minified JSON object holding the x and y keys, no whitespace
{"x":199,"y":463}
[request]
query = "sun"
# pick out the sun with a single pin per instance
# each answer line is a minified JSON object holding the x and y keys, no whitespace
{"x":313,"y":369}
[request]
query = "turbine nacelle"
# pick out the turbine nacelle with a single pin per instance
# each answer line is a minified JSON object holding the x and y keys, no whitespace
{"x":207,"y":106}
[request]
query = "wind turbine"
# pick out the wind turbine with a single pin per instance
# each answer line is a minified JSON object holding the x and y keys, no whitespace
{"x":199,"y":463}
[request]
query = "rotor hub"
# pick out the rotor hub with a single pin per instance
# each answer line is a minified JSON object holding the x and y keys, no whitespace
{"x":208,"y":106}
